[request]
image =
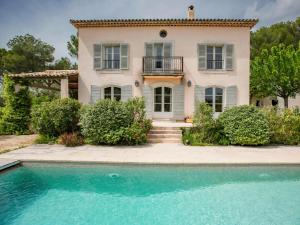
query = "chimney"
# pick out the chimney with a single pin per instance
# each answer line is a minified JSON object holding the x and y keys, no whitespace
{"x":191,"y":12}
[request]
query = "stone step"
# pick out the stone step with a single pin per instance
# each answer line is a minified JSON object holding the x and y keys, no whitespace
{"x":165,"y":135}
{"x":165,"y":132}
{"x":165,"y":128}
{"x":164,"y":140}
{"x":152,"y":136}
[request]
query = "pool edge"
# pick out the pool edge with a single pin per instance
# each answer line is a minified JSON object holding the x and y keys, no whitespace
{"x":160,"y":163}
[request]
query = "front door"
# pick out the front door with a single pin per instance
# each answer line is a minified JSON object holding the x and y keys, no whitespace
{"x":163,"y":102}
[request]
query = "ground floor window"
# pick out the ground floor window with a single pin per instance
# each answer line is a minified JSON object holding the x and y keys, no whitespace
{"x":112,"y":93}
{"x":214,"y":97}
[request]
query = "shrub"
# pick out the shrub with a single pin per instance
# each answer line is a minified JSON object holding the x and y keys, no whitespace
{"x":39,"y":96}
{"x":56,"y":117}
{"x":245,"y":125}
{"x":113,"y":122}
{"x":206,"y":129}
{"x":192,"y":136}
{"x":71,"y":139}
{"x":15,"y":115}
{"x":284,"y":125}
{"x":44,"y":139}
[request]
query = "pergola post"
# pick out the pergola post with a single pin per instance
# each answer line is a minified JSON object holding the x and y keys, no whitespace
{"x":64,"y":88}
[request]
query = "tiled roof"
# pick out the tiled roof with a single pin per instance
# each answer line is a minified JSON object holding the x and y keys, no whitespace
{"x":47,"y":73}
{"x":164,"y":22}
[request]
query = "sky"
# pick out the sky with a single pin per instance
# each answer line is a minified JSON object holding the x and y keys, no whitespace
{"x":49,"y":19}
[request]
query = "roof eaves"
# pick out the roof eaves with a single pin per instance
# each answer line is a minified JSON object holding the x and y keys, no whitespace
{"x":164,"y":22}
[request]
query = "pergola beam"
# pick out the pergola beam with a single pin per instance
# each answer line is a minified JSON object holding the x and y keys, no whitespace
{"x":57,"y":80}
{"x":44,"y":87}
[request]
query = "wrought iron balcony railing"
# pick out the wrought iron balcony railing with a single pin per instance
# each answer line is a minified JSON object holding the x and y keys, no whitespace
{"x":214,"y":64}
{"x":111,"y":64}
{"x":163,"y":65}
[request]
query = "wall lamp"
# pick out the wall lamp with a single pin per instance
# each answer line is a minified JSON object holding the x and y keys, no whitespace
{"x":189,"y":83}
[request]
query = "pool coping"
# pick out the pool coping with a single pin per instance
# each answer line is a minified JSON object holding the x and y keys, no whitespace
{"x":8,"y":163}
{"x":118,"y":163}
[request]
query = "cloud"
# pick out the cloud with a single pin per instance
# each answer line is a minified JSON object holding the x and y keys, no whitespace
{"x":273,"y":11}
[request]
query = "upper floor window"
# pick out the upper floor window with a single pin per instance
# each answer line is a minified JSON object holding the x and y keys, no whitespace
{"x":215,"y":57}
{"x":111,"y":56}
{"x":214,"y":97}
{"x":112,"y":93}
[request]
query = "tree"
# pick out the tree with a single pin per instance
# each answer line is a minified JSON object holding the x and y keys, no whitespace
{"x":287,"y":33}
{"x":27,"y":54}
{"x":63,"y":63}
{"x":276,"y":73}
{"x":73,"y":46}
{"x":15,"y":115}
{"x":3,"y":52}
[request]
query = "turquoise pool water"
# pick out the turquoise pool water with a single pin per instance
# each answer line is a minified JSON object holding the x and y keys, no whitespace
{"x":136,"y":195}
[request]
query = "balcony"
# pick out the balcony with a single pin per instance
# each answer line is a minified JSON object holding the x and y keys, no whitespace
{"x":162,"y":66}
{"x":215,"y":64}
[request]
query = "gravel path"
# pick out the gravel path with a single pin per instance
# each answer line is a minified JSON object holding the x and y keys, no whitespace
{"x":11,"y":142}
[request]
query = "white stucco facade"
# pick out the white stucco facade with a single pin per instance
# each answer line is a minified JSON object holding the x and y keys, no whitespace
{"x":185,"y":40}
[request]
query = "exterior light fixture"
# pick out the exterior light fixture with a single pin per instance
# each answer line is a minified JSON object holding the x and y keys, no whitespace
{"x":136,"y":83}
{"x":189,"y":83}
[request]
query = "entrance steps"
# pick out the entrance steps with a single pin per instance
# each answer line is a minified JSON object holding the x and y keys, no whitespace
{"x":165,"y":135}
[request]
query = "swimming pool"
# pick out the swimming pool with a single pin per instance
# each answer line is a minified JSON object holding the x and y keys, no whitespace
{"x":149,"y":195}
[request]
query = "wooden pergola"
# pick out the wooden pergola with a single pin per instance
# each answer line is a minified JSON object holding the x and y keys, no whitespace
{"x":57,"y":80}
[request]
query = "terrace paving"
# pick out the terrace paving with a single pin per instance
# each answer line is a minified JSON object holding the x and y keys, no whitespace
{"x":166,"y":153}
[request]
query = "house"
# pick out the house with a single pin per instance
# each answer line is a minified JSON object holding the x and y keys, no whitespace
{"x":173,"y":63}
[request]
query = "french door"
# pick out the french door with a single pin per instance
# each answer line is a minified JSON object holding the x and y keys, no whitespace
{"x":158,"y":54}
{"x":163,"y":106}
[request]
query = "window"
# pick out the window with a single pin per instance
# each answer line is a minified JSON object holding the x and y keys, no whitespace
{"x":111,"y":57}
{"x":214,"y":97}
{"x":163,"y":33}
{"x":112,"y":93}
{"x":214,"y":55}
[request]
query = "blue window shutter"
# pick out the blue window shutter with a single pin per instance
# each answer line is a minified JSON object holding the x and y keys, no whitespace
{"x":95,"y":93}
{"x":97,"y":56}
{"x":148,"y":95}
{"x":126,"y":92}
{"x":124,"y":57}
{"x":229,"y":57}
{"x":201,"y":57}
{"x":149,"y":49}
{"x":199,"y":94}
{"x":231,"y":96}
{"x":178,"y":102}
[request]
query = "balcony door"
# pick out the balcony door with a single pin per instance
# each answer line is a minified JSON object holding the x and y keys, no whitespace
{"x":158,"y":54}
{"x":158,"y":57}
{"x":163,"y":102}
